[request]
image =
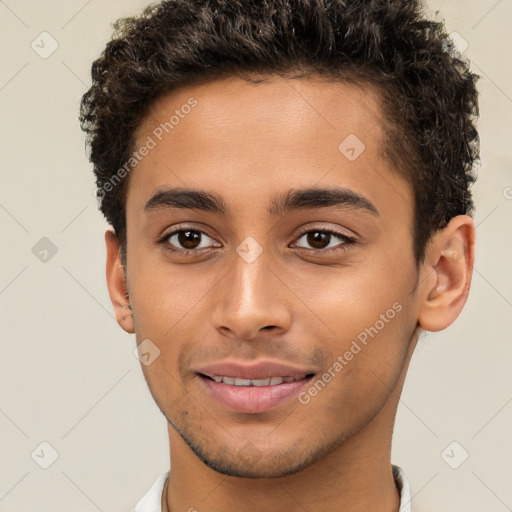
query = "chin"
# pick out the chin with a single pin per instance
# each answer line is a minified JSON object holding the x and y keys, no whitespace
{"x":251,"y":462}
{"x":263,"y":468}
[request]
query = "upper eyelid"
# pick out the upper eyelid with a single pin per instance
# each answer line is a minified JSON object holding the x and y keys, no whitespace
{"x":178,"y":229}
{"x":324,"y":230}
{"x":167,"y":236}
{"x":347,"y":238}
{"x":344,"y":238}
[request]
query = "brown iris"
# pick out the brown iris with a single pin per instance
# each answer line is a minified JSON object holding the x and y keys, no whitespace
{"x":189,"y":239}
{"x":318,"y":240}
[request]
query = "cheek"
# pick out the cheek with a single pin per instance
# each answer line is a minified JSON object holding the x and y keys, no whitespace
{"x":164,"y":295}
{"x":350,"y":301}
{"x":369,"y":315}
{"x":362,"y":375}
{"x":169,"y":305}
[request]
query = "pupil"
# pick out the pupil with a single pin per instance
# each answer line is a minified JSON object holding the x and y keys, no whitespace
{"x":189,"y":239}
{"x":319,"y":240}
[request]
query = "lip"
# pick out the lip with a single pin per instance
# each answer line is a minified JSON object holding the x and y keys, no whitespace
{"x":262,"y":369}
{"x":253,"y":399}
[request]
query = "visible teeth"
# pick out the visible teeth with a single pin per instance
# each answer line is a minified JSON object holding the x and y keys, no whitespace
{"x":236,"y":381}
{"x":261,"y":382}
{"x":241,"y":382}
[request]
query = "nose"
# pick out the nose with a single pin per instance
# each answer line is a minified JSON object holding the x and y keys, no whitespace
{"x":251,"y":299}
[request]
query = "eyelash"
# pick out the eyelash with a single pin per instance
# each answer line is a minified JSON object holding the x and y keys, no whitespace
{"x":347,"y":240}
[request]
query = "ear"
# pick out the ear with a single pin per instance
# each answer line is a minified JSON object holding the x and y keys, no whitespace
{"x":447,"y":273}
{"x":116,"y":283}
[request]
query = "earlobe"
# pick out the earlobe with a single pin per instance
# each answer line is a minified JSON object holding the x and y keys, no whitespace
{"x":449,"y":267}
{"x":116,"y":283}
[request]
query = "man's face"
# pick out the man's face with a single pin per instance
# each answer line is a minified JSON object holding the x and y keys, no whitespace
{"x":251,"y":290}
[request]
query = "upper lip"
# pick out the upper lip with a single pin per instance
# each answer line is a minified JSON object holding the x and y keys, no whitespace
{"x":262,"y":369}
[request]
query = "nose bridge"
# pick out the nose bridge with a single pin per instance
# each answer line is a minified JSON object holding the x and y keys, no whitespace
{"x":250,"y":299}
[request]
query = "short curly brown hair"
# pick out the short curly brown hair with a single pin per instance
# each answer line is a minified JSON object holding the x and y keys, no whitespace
{"x":427,"y":90}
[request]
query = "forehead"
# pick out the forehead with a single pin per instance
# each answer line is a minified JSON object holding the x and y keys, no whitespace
{"x":232,"y":134}
{"x":267,"y":105}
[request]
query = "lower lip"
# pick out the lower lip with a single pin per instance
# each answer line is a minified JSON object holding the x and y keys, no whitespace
{"x":253,"y":399}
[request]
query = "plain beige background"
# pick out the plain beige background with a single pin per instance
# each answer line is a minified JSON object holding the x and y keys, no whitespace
{"x":68,"y":375}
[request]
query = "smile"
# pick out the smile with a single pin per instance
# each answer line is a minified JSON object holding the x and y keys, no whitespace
{"x":252,"y":387}
{"x":237,"y":381}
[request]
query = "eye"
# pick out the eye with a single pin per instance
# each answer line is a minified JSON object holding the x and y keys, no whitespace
{"x":325,"y":240}
{"x":185,"y":240}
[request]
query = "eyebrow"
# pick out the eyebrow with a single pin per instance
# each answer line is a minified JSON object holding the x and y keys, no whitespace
{"x":321,"y":198}
{"x":187,"y":199}
{"x":280,"y":205}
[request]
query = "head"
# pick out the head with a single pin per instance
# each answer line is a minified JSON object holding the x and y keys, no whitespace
{"x":318,"y":158}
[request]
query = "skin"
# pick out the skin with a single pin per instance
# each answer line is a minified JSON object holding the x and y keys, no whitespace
{"x":249,"y":143}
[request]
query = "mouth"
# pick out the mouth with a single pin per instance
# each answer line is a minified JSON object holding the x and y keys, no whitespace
{"x":269,"y":381}
{"x":253,"y":388}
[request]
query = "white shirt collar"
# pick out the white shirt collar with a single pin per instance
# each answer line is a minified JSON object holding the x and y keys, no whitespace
{"x":402,"y":485}
{"x":152,"y":500}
